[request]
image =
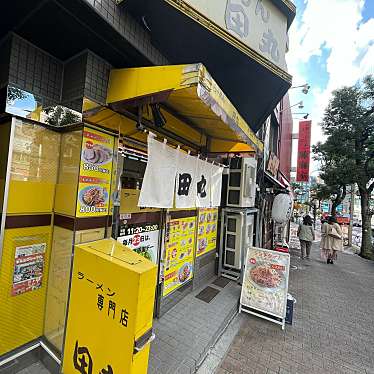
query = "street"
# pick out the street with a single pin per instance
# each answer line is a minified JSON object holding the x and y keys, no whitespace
{"x":332,"y":330}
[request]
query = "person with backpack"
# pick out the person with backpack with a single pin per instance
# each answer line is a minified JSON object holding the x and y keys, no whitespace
{"x":306,"y":236}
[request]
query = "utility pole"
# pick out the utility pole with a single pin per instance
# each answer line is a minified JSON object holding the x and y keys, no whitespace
{"x":351,"y":211}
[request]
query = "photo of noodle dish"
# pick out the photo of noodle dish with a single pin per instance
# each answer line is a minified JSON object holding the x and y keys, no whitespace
{"x":264,"y":276}
{"x":96,"y":154}
{"x":185,"y":272}
{"x":93,"y":196}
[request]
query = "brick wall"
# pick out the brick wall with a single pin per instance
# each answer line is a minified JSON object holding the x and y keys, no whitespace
{"x":53,"y":81}
{"x":128,"y":28}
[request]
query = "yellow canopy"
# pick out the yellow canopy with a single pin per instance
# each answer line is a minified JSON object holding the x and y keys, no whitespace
{"x":195,"y":108}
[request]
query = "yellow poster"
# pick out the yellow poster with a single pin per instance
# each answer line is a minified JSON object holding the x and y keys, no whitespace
{"x":207,"y":231}
{"x":95,"y":174}
{"x":179,"y":253}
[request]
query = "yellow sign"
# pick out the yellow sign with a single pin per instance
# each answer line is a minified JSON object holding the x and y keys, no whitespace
{"x":179,"y":253}
{"x":207,"y":231}
{"x":95,"y":174}
{"x":110,"y":314}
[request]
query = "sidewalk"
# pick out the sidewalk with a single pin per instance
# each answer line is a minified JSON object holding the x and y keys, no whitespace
{"x":185,"y":334}
{"x":333,"y":329}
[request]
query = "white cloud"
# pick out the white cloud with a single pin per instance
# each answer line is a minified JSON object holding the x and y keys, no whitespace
{"x":336,"y":27}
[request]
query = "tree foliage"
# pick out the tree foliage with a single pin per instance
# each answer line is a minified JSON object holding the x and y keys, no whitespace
{"x":347,"y":156}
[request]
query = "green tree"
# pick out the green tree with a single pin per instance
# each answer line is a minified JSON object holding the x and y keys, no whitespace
{"x":347,"y":156}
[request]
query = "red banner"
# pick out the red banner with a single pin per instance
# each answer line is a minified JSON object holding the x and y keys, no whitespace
{"x":303,"y":155}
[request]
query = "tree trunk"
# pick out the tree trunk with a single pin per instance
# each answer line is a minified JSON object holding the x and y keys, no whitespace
{"x":366,"y":244}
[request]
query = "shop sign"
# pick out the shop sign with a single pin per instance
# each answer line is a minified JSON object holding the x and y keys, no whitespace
{"x":95,"y":174}
{"x":303,"y":156}
{"x":258,"y":24}
{"x":273,"y":165}
{"x":179,"y":253}
{"x":142,"y":239}
{"x":104,"y":310}
{"x":207,"y":231}
{"x":265,"y":283}
{"x":28,"y":268}
{"x":294,"y":239}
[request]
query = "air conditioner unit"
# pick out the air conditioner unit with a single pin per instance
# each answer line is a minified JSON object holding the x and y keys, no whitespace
{"x":238,"y":236}
{"x":241,"y":190}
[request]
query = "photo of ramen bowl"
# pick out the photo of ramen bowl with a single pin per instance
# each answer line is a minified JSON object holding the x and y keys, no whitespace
{"x":203,"y":243}
{"x":96,"y":154}
{"x":264,"y":276}
{"x":95,"y":196}
{"x":184,"y":272}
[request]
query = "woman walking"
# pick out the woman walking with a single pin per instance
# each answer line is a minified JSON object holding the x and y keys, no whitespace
{"x":324,"y":234}
{"x":332,"y":242}
{"x":306,"y":236}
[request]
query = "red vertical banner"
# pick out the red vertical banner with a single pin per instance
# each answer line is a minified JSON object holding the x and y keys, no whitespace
{"x":303,"y":155}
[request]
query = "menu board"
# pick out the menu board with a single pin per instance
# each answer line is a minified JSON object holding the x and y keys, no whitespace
{"x":28,"y":268}
{"x":179,"y":253}
{"x":265,"y":283}
{"x":95,"y":174}
{"x":142,"y":239}
{"x":207,"y":231}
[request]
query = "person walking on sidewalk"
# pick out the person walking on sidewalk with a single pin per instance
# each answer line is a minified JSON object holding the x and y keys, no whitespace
{"x":333,"y":242}
{"x":306,"y":236}
{"x":324,"y":234}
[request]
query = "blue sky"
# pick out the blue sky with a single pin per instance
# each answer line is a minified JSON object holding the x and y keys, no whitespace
{"x":331,"y":45}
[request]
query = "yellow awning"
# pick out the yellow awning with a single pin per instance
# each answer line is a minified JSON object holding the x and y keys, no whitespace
{"x":194,"y":106}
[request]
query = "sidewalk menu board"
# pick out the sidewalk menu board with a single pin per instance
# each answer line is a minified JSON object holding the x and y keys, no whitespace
{"x":95,"y":174}
{"x":28,"y":268}
{"x":179,"y":253}
{"x":265,"y":283}
{"x":207,"y":231}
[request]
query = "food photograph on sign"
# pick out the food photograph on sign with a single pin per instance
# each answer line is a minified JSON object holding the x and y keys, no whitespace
{"x":266,"y":281}
{"x":95,"y":173}
{"x":28,"y":268}
{"x":207,"y":231}
{"x":179,"y":253}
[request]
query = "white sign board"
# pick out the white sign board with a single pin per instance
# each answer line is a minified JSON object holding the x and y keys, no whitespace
{"x":142,"y":239}
{"x":265,"y":284}
{"x":259,"y":24}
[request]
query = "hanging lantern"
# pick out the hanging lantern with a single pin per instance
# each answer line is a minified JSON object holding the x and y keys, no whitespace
{"x":282,"y":208}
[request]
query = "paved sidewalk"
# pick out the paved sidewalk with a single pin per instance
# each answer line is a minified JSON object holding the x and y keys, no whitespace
{"x":333,"y":329}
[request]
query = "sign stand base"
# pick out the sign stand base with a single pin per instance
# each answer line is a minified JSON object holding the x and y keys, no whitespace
{"x":268,"y":317}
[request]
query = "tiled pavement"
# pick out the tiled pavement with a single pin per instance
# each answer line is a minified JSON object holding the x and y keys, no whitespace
{"x":186,"y":333}
{"x":333,"y":329}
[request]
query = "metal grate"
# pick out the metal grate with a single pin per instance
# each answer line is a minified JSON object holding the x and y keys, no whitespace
{"x":221,"y":282}
{"x":207,"y":294}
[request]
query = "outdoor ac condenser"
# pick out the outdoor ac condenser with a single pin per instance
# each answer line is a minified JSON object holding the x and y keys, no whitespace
{"x":238,"y":236}
{"x":241,"y":190}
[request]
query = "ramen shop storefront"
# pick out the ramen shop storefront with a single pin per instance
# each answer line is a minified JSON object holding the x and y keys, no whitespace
{"x":174,"y":124}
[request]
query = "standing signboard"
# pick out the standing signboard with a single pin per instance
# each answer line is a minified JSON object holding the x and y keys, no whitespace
{"x":179,"y":253}
{"x":95,"y":174}
{"x":265,"y":284}
{"x":109,"y":324}
{"x":303,"y":155}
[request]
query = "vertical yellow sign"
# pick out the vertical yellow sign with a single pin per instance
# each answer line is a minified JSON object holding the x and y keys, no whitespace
{"x":207,"y":231}
{"x":179,"y":253}
{"x":95,"y":174}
